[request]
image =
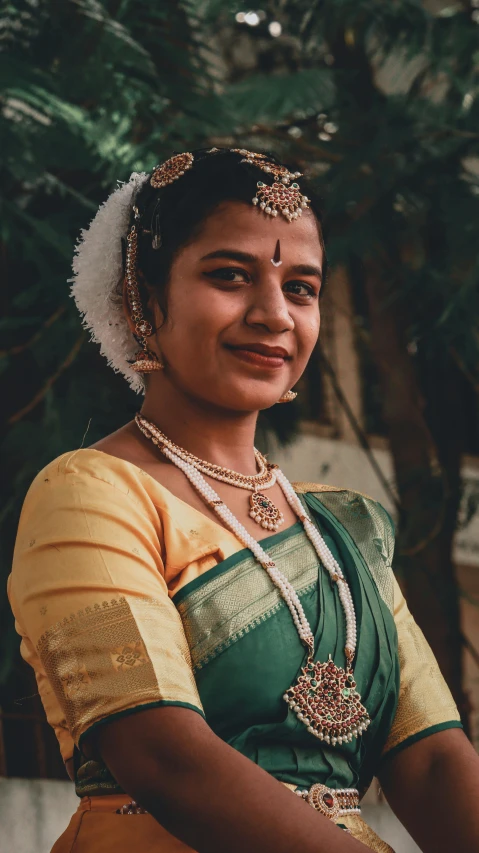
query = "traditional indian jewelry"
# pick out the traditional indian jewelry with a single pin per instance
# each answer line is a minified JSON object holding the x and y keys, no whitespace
{"x":280,"y":197}
{"x":171,"y":170}
{"x":288,"y":397}
{"x":262,"y":508}
{"x":276,"y":259}
{"x":324,"y":697}
{"x":131,"y":808}
{"x":145,"y":361}
{"x":331,"y":802}
{"x":263,"y":162}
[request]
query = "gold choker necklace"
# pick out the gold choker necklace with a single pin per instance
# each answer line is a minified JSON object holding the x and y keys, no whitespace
{"x":262,"y":508}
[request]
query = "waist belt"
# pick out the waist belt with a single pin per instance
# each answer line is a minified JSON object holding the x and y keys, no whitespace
{"x":332,"y":803}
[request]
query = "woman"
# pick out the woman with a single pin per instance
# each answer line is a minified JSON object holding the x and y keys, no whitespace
{"x":194,"y":677}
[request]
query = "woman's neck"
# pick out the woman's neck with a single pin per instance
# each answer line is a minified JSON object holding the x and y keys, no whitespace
{"x":223,"y":437}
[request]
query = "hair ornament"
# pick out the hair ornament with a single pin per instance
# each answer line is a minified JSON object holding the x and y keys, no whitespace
{"x":97,"y":268}
{"x":283,"y":196}
{"x":171,"y":170}
{"x":249,"y":156}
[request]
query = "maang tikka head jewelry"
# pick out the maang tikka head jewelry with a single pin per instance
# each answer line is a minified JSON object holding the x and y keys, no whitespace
{"x":282,"y":196}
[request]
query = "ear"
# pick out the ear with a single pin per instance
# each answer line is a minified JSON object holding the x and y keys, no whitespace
{"x":154,"y":311}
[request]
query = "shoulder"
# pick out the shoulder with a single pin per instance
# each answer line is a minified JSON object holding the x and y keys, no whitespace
{"x":301,"y":487}
{"x":317,"y":488}
{"x":86,"y":497}
{"x":369,"y":526}
{"x":87,"y":472}
{"x":351,"y":506}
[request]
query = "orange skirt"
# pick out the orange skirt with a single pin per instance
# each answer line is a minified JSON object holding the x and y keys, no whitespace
{"x":96,"y":828}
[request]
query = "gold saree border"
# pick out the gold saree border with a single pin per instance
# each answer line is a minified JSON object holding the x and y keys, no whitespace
{"x":425,"y":701}
{"x":116,"y":656}
{"x":430,"y":730}
{"x":361,"y":831}
{"x":227,"y":606}
{"x":301,"y":488}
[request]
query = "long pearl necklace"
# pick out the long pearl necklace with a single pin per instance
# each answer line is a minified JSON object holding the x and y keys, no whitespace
{"x":262,"y":508}
{"x":324,"y":696}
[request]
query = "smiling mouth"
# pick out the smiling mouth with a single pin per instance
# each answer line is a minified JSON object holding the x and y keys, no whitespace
{"x":273,"y":359}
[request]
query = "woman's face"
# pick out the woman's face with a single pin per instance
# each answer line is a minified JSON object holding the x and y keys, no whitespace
{"x":240,"y":330}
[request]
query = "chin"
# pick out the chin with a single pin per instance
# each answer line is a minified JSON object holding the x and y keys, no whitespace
{"x":254,"y":401}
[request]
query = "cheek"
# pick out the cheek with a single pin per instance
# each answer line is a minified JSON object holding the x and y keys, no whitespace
{"x":307,"y":333}
{"x":197,"y":316}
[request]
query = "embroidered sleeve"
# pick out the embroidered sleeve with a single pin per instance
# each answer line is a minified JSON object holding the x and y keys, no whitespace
{"x":89,"y":596}
{"x":425,"y":702}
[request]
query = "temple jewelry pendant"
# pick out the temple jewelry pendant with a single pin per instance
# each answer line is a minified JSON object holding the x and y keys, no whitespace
{"x":325,"y":699}
{"x":265,"y":512}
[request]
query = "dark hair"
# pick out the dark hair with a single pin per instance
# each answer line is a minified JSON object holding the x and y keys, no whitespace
{"x":183,"y":205}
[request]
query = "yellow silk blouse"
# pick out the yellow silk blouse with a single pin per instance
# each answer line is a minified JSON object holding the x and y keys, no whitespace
{"x":101,"y":549}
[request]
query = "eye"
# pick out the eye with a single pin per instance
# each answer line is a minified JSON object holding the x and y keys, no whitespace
{"x":230,"y":274}
{"x":300,"y":288}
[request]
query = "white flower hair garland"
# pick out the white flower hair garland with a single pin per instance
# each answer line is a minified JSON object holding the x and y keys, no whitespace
{"x":97,"y":269}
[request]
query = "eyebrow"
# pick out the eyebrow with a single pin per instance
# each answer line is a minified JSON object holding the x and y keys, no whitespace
{"x":246,"y":257}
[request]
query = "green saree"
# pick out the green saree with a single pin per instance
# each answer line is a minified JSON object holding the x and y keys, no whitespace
{"x":246,"y":652}
{"x":127,"y":598}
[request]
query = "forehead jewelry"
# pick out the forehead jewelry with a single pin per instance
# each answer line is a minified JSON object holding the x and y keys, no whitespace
{"x":284,"y":195}
{"x":324,"y":697}
{"x":276,"y":259}
{"x":278,"y":198}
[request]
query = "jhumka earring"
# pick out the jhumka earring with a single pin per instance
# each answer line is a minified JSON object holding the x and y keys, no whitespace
{"x":145,"y":361}
{"x":288,"y":397}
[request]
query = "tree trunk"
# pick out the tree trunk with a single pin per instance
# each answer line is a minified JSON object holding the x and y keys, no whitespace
{"x":425,"y":442}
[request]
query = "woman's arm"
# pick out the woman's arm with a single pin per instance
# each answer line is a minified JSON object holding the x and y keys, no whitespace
{"x":206,"y":793}
{"x":433,"y":787}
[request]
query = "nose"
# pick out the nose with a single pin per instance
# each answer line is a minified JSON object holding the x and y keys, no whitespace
{"x":269,"y":308}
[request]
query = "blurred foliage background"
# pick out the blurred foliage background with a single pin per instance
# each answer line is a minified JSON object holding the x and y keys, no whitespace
{"x":378,"y":101}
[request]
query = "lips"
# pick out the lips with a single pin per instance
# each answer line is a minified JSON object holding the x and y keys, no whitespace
{"x":262,"y":349}
{"x":261,"y":355}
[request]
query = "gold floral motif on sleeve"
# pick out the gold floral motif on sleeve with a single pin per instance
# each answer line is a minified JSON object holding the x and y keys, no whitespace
{"x":115,"y":656}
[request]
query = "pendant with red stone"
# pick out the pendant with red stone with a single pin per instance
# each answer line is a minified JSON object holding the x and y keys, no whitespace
{"x":265,"y":512}
{"x":325,"y":699}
